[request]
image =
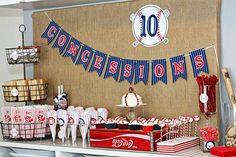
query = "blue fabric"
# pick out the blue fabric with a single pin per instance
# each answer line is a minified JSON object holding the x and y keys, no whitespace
{"x":141,"y":71}
{"x":127,"y":70}
{"x":99,"y":61}
{"x":51,"y":32}
{"x":72,"y":49}
{"x":113,"y":67}
{"x":85,"y":56}
{"x":159,"y":72}
{"x":199,"y":61}
{"x":62,"y":41}
{"x":176,"y":72}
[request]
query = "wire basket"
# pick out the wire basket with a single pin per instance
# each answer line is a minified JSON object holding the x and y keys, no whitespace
{"x":25,"y":130}
{"x":20,"y":93}
{"x":28,"y":54}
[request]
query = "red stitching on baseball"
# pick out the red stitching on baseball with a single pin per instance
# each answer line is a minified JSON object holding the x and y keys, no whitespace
{"x":159,"y":36}
{"x":139,"y":13}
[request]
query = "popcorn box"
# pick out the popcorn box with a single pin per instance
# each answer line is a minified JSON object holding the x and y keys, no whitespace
{"x":125,"y":139}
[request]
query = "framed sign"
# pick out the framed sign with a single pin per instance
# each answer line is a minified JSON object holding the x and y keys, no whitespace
{"x":150,"y":26}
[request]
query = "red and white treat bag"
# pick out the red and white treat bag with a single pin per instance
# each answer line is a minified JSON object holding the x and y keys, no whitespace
{"x":63,"y":122}
{"x":79,"y":108}
{"x":6,"y":118}
{"x":49,"y":108}
{"x":84,"y":122}
{"x":93,"y":118}
{"x":17,"y":119}
{"x":69,"y":109}
{"x":41,"y":121}
{"x":27,"y":129}
{"x":102,"y":113}
{"x":52,"y":121}
{"x":74,"y":121}
{"x":89,"y":109}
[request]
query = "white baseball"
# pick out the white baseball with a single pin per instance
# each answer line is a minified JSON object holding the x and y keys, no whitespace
{"x":162,"y":28}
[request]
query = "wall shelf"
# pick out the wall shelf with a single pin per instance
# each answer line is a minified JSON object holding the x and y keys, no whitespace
{"x":62,"y":150}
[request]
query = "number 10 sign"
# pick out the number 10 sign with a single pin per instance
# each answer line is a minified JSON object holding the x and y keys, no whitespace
{"x":150,"y":26}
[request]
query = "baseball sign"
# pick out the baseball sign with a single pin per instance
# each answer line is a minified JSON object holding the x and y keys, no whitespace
{"x":150,"y":26}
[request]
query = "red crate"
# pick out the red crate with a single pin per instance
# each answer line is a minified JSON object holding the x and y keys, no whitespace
{"x":125,"y":139}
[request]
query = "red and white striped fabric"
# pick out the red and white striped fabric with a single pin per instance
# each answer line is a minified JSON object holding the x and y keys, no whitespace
{"x":176,"y":145}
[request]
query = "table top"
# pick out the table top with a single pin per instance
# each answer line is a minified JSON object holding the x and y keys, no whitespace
{"x":67,"y":147}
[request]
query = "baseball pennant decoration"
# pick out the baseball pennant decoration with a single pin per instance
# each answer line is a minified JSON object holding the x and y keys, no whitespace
{"x":141,"y":71}
{"x":72,"y":49}
{"x":113,"y":67}
{"x":123,"y":69}
{"x":199,"y":61}
{"x":98,"y":63}
{"x":159,"y":72}
{"x":61,"y":41}
{"x":51,"y":32}
{"x":178,"y":67}
{"x":127,"y":70}
{"x":85,"y":56}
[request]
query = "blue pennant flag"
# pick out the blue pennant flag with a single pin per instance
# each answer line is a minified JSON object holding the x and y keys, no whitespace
{"x":72,"y":49}
{"x":51,"y":32}
{"x":127,"y":70}
{"x":61,"y":41}
{"x":113,"y":67}
{"x":178,"y":66}
{"x":85,"y":56}
{"x":141,"y":71}
{"x":199,"y":61}
{"x":159,"y":71}
{"x":98,"y":63}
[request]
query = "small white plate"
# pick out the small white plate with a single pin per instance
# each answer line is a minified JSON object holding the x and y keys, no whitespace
{"x":131,"y":106}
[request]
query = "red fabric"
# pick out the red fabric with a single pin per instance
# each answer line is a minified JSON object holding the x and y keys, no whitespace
{"x":223,"y":151}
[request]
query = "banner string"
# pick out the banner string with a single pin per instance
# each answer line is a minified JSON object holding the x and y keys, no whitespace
{"x":187,"y":54}
{"x":172,"y":59}
{"x":47,"y":15}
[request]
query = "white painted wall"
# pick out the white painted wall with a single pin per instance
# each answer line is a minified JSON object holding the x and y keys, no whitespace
{"x":228,"y":37}
{"x":228,"y":52}
{"x":10,"y":19}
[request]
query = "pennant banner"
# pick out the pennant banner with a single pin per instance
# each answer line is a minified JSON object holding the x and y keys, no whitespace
{"x":159,"y":72}
{"x":127,"y":70}
{"x":113,"y":67}
{"x":178,"y":66}
{"x":51,"y":32}
{"x":98,"y":63}
{"x":141,"y":71}
{"x":61,"y":41}
{"x":199,"y":61}
{"x":72,"y":49}
{"x":123,"y":69}
{"x":85,"y":56}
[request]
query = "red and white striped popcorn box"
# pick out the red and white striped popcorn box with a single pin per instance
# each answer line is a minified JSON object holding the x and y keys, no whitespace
{"x":6,"y":118}
{"x":27,"y":128}
{"x":17,"y":119}
{"x":41,"y":120}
